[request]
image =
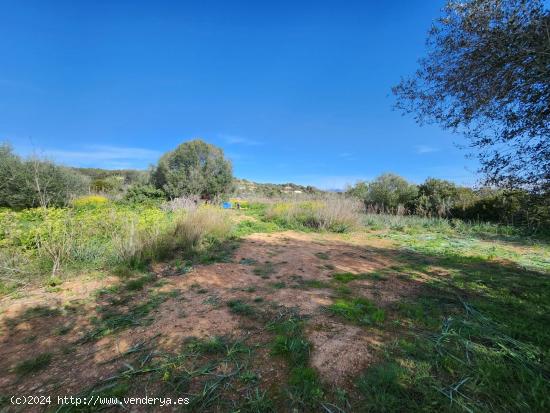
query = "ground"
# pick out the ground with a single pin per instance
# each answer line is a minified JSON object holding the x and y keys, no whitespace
{"x":291,"y":321}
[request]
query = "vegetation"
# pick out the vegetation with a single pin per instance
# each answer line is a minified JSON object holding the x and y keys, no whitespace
{"x":439,"y":198}
{"x":36,"y":182}
{"x":193,"y":168}
{"x":456,"y":309}
{"x":486,"y":74}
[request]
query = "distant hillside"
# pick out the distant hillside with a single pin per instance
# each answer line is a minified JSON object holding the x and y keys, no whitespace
{"x":246,"y":187}
{"x":117,"y":179}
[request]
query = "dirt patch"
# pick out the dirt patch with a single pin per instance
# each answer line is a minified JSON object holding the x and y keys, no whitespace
{"x":341,"y":351}
{"x":287,"y":269}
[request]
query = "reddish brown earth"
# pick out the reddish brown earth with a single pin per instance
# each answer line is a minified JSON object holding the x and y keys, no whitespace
{"x":340,"y":350}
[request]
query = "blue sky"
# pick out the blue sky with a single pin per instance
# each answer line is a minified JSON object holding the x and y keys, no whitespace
{"x":292,"y":91}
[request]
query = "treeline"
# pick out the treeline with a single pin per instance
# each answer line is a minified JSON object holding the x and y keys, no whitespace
{"x":390,"y":193}
{"x":193,"y":168}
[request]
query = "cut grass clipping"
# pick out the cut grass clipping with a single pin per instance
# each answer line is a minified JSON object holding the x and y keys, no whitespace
{"x":357,"y":310}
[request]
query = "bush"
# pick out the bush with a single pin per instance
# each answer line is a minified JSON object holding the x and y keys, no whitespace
{"x":36,"y":182}
{"x":387,"y":193}
{"x":140,"y":193}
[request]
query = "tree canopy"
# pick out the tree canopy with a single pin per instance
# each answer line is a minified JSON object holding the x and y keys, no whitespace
{"x":193,"y":168}
{"x":487,"y":75}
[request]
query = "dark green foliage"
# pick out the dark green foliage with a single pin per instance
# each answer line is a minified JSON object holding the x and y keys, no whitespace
{"x":144,"y":193}
{"x":193,"y":168}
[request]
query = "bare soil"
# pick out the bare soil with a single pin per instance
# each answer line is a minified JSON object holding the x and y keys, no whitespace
{"x":290,"y":260}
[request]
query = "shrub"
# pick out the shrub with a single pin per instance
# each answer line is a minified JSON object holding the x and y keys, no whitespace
{"x":140,"y":193}
{"x":36,"y":182}
{"x":390,"y":192}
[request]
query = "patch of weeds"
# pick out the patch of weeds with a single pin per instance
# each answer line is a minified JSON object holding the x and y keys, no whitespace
{"x":54,"y":281}
{"x":30,"y":339}
{"x":138,"y":283}
{"x":212,"y":300}
{"x":257,"y":401}
{"x":215,"y":345}
{"x":315,"y":284}
{"x":422,"y":311}
{"x":53,"y":289}
{"x":202,"y":291}
{"x":329,"y":267}
{"x":113,"y":289}
{"x":240,"y":307}
{"x":357,"y":310}
{"x":34,"y":364}
{"x":183,"y":268}
{"x":218,"y":251}
{"x":122,"y":271}
{"x":278,"y":285}
{"x":374,"y":276}
{"x":294,"y":348}
{"x":248,"y":261}
{"x":264,"y":270}
{"x":111,"y":321}
{"x":305,"y":387}
{"x":63,"y":330}
{"x":381,"y":389}
{"x":343,"y":290}
{"x":289,"y":341}
{"x":322,"y":255}
{"x":248,"y":377}
{"x":344,"y":277}
{"x":250,"y":290}
{"x":258,"y":299}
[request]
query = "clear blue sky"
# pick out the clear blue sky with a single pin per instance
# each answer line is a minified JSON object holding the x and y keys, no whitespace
{"x":292,"y":91}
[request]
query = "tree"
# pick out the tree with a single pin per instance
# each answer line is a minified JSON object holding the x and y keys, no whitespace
{"x":388,"y":192}
{"x":487,"y":75}
{"x":33,"y":182}
{"x":436,"y":197}
{"x":193,"y":168}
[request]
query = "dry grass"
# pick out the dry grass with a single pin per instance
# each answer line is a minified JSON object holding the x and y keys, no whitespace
{"x":329,"y":213}
{"x":202,"y":224}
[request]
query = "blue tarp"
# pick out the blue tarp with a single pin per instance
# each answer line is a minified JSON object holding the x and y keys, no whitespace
{"x":227,"y":205}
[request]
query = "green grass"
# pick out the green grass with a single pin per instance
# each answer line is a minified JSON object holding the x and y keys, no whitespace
{"x":357,"y":310}
{"x":34,"y":364}
{"x":240,"y":307}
